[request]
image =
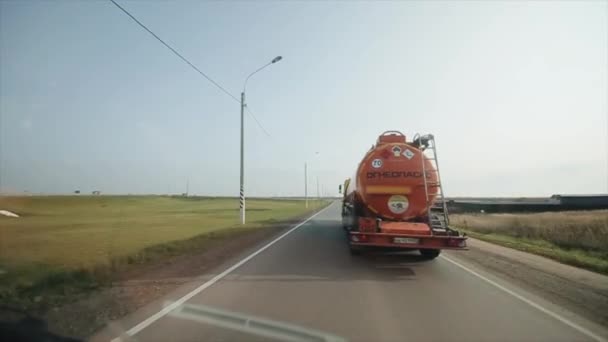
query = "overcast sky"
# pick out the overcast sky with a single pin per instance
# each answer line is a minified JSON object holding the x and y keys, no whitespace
{"x":515,"y":92}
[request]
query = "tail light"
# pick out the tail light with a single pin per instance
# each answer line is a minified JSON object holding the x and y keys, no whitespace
{"x":359,"y":238}
{"x":460,"y":243}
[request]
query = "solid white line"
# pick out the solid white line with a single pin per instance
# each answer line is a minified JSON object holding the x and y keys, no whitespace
{"x":148,"y":321}
{"x":567,"y":322}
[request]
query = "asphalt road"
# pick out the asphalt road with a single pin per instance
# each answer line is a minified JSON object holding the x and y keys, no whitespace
{"x":307,"y":286}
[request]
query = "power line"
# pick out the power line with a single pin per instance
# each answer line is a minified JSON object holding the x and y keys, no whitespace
{"x":176,"y":53}
{"x":256,"y":121}
{"x":191,"y":65}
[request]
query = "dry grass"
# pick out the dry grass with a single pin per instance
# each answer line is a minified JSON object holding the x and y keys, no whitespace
{"x":578,"y":238}
{"x":586,"y":230}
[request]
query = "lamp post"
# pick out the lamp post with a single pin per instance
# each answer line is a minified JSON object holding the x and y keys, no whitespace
{"x":242,"y":188}
{"x":306,"y":181}
{"x":306,"y":184}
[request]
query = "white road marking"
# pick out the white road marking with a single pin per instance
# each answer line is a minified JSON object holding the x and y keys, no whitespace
{"x":148,"y":321}
{"x":251,"y":324}
{"x":567,"y":322}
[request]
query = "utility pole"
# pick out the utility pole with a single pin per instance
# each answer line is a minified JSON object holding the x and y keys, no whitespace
{"x":306,"y":181}
{"x":318,"y":194}
{"x":305,"y":185}
{"x":242,"y":200}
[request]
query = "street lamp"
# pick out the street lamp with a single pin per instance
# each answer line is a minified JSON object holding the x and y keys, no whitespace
{"x":306,"y":181}
{"x":242,"y":192}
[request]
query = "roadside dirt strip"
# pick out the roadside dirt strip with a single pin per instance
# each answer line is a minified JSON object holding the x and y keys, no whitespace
{"x":142,"y":284}
{"x":581,"y":291}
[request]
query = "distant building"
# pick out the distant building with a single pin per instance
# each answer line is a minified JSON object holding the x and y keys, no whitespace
{"x":596,"y":201}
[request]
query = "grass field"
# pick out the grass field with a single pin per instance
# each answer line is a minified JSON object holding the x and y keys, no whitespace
{"x":579,"y":238}
{"x":66,"y":239}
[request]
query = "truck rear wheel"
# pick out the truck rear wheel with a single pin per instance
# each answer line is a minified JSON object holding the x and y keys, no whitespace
{"x":430,"y":253}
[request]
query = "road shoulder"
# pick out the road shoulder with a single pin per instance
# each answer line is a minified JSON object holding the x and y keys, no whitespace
{"x":583,"y":292}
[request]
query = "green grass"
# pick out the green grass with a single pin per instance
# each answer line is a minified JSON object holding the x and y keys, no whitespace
{"x":591,"y":260}
{"x":79,"y":232}
{"x":65,"y":244}
{"x":576,"y":238}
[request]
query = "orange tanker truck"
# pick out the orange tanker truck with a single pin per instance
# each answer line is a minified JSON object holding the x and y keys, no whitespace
{"x":395,"y":198}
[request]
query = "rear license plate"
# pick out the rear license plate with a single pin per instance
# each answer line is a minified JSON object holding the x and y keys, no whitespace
{"x":405,"y":240}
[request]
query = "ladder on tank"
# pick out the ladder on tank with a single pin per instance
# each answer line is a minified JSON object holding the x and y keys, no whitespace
{"x":438,"y":211}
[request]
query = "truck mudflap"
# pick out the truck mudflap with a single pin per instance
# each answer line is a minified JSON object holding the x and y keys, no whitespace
{"x":407,"y":241}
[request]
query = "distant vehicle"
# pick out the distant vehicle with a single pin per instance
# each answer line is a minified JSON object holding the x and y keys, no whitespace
{"x":395,"y":199}
{"x":96,"y":192}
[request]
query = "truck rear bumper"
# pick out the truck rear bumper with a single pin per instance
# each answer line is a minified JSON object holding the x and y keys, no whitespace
{"x":407,"y":241}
